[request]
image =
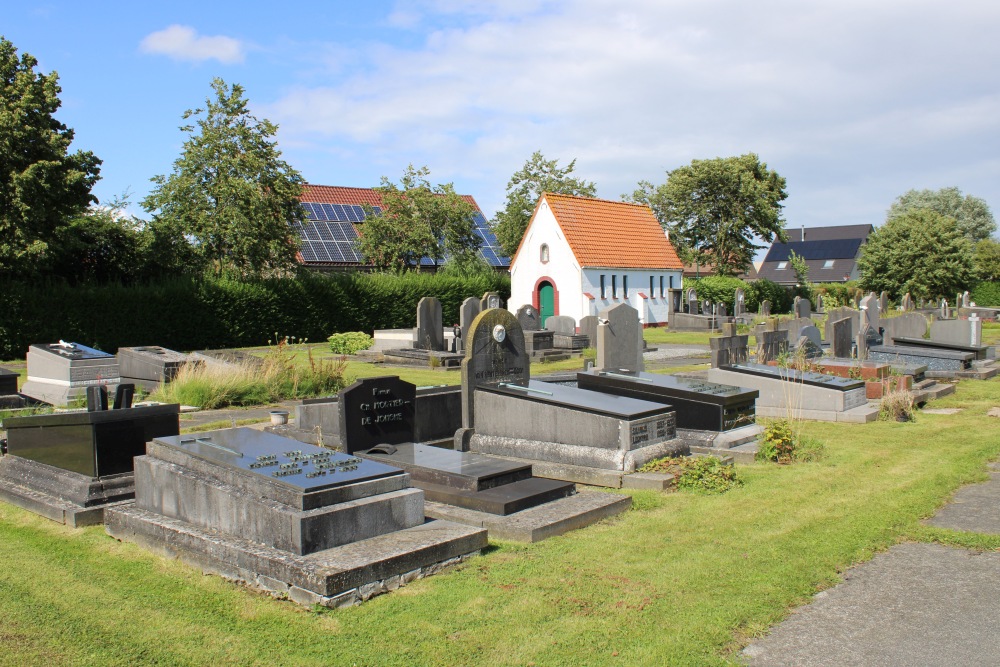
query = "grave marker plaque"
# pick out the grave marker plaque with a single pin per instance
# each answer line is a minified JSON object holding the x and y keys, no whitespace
{"x":494,"y":354}
{"x":376,"y":411}
{"x":489,"y":300}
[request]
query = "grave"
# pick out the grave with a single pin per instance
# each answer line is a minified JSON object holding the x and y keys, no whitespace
{"x":503,"y":496}
{"x":317,"y":526}
{"x":60,"y":373}
{"x":565,"y":432}
{"x":430,"y":331}
{"x":564,"y":335}
{"x":940,"y":363}
{"x":802,"y":308}
{"x":771,"y":344}
{"x":466,"y":313}
{"x":764,"y":309}
{"x":907,"y":325}
{"x":490,"y":300}
{"x":739,"y":304}
{"x":619,"y":339}
{"x":730,"y":347}
{"x":10,"y":399}
{"x":426,"y":346}
{"x":790,"y":393}
{"x":149,"y":366}
{"x":588,"y":328}
{"x":71,"y":466}
{"x":226,"y":358}
{"x":539,"y":343}
{"x":843,"y":338}
{"x":959,"y":332}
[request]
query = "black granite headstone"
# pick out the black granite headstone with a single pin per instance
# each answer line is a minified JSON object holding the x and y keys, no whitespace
{"x":376,"y":411}
{"x":494,"y":354}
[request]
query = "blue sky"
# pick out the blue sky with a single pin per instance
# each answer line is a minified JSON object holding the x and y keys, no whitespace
{"x":852,"y":102}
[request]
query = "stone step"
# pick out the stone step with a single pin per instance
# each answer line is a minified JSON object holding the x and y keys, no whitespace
{"x":446,"y":467}
{"x":500,"y":500}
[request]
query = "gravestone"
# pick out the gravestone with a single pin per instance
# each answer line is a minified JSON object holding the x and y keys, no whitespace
{"x":945,"y":311}
{"x":149,"y":365}
{"x":965,"y":299}
{"x":907,"y":325}
{"x":869,"y":316}
{"x":907,"y":303}
{"x":720,"y":310}
{"x":563,"y":324}
{"x":730,"y":347}
{"x":765,"y":308}
{"x":619,"y":337}
{"x":842,"y":338}
{"x":807,"y":348}
{"x":494,"y":355}
{"x":856,"y":300}
{"x":812,"y":333}
{"x":490,"y":300}
{"x":883,"y":301}
{"x":706,"y":307}
{"x":739,"y":306}
{"x":588,"y":327}
{"x":819,"y":303}
{"x":375,"y":411}
{"x":692,"y":300}
{"x":430,"y":331}
{"x":958,"y":332}
{"x":468,"y":311}
{"x":61,"y":372}
{"x":527,"y":316}
{"x":837,"y":314}
{"x":802,"y":308}
{"x":771,"y":345}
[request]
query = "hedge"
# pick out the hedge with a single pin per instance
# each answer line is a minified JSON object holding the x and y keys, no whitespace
{"x":207,"y":312}
{"x":986,"y":293}
{"x":723,"y":289}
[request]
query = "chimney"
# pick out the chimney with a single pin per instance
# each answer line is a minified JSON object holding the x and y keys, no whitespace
{"x":803,"y":233}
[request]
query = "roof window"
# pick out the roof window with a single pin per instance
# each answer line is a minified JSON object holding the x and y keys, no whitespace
{"x":782,"y":266}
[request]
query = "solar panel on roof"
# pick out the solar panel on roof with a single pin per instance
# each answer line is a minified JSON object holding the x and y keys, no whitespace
{"x":832,"y":249}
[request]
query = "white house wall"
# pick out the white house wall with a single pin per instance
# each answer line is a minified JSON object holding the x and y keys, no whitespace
{"x":561,"y":268}
{"x":653,"y":308}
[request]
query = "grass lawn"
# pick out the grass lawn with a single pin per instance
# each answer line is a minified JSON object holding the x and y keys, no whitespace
{"x":682,"y":579}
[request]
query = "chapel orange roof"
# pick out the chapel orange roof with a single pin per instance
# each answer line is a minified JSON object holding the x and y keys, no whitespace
{"x":612,"y":234}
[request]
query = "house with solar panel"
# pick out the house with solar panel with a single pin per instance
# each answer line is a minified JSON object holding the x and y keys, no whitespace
{"x":580,"y":256}
{"x":831,"y":253}
{"x":332,"y":227}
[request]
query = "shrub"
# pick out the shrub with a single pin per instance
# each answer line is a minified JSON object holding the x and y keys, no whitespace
{"x":779,"y":443}
{"x":896,"y":406}
{"x":835,"y":294}
{"x":708,"y":474}
{"x":986,"y":293}
{"x":767,"y":290}
{"x":350,"y":342}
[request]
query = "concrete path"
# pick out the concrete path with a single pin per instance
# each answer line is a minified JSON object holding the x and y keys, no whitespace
{"x":916,"y":604}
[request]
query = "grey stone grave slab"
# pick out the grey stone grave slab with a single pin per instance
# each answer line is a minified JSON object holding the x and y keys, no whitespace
{"x":979,"y":352}
{"x":588,"y":327}
{"x":430,"y":331}
{"x":619,"y":339}
{"x":958,"y":332}
{"x":812,"y":333}
{"x":59,"y":373}
{"x":149,"y":365}
{"x":285,"y":516}
{"x":71,"y":466}
{"x":842,"y":338}
{"x":936,"y":360}
{"x":907,"y":325}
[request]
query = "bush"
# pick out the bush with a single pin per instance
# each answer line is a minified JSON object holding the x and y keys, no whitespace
{"x":767,"y":290}
{"x":707,"y":474}
{"x":780,"y":444}
{"x":350,"y":342}
{"x":719,"y":289}
{"x":835,"y":294}
{"x":986,"y":293}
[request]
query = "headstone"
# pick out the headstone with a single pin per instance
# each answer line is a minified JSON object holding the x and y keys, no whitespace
{"x":563,"y":324}
{"x":619,"y":339}
{"x":739,"y":306}
{"x":819,"y":303}
{"x":376,"y":411}
{"x":965,"y":299}
{"x":883,"y":301}
{"x":692,"y":300}
{"x":958,"y":332}
{"x":907,"y":325}
{"x":975,"y":330}
{"x":729,"y":348}
{"x":150,"y":362}
{"x":807,"y":348}
{"x":856,"y":300}
{"x":842,"y":338}
{"x":836,"y":314}
{"x":489,"y":300}
{"x":527,"y":316}
{"x":869,"y":315}
{"x":430,"y":331}
{"x":906,"y":304}
{"x":945,"y":311}
{"x":802,"y":307}
{"x":720,"y":309}
{"x":494,"y":354}
{"x":588,"y":327}
{"x":860,"y":346}
{"x":765,"y":308}
{"x":812,"y":333}
{"x":771,"y":345}
{"x":706,"y":307}
{"x":61,"y":372}
{"x":467,"y":312}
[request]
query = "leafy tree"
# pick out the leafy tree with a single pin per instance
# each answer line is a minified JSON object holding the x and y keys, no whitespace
{"x":523,"y":191}
{"x":418,"y":220}
{"x":973,"y":215}
{"x":715,"y":208}
{"x":41,"y":184}
{"x":101,"y":245}
{"x":799,"y":266}
{"x":921,"y":252}
{"x":987,"y":260}
{"x":230,"y":191}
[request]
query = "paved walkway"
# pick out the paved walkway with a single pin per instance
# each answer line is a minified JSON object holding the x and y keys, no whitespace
{"x":916,"y":604}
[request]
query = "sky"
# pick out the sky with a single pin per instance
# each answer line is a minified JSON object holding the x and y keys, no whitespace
{"x":853,"y":102}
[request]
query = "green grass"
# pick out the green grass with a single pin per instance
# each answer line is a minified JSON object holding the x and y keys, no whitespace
{"x":664,"y":336}
{"x":685,"y":579}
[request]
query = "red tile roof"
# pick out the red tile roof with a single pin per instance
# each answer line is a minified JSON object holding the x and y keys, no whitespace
{"x":335,"y":194}
{"x":611,"y":234}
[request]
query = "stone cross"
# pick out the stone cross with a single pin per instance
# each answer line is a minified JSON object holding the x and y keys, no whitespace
{"x":619,"y":339}
{"x":494,"y":354}
{"x":430,"y":331}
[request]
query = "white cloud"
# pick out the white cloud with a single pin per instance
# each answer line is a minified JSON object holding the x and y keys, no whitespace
{"x":182,"y":42}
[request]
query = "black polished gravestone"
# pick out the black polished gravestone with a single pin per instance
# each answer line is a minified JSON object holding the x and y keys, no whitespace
{"x":801,"y":377}
{"x":700,"y":405}
{"x":70,"y":466}
{"x":304,"y":522}
{"x":376,"y":422}
{"x":8,"y":382}
{"x":494,"y":354}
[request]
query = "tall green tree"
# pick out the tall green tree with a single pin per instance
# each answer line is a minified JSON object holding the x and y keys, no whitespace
{"x":230,"y":191}
{"x":973,"y":215}
{"x":41,"y":183}
{"x":417,"y":220}
{"x":715,"y":209}
{"x":987,"y":260}
{"x":921,"y":252}
{"x":538,"y":175}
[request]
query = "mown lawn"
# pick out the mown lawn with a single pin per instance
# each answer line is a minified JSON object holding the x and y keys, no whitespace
{"x":683,"y":579}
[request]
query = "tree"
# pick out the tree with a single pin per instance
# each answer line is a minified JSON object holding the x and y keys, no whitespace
{"x":418,"y":220}
{"x":973,"y":215}
{"x":230,"y":191}
{"x":921,"y":252}
{"x":715,"y":208}
{"x":523,"y":191}
{"x":987,"y":260}
{"x":41,"y":184}
{"x":799,"y":266}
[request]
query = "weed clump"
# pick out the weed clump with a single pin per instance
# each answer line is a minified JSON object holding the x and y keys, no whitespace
{"x":707,"y":474}
{"x":780,"y":444}
{"x":896,"y":406}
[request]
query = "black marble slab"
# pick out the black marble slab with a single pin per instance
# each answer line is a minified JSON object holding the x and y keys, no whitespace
{"x":700,"y":405}
{"x":297,"y":465}
{"x":95,"y":444}
{"x":808,"y":378}
{"x":980,"y":351}
{"x":574,"y":398}
{"x":448,"y":467}
{"x":8,"y":382}
{"x":501,"y":500}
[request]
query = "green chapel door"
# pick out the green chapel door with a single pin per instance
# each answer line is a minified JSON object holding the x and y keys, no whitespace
{"x":546,"y":302}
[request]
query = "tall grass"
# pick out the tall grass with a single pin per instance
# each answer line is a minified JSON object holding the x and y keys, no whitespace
{"x":276,"y":377}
